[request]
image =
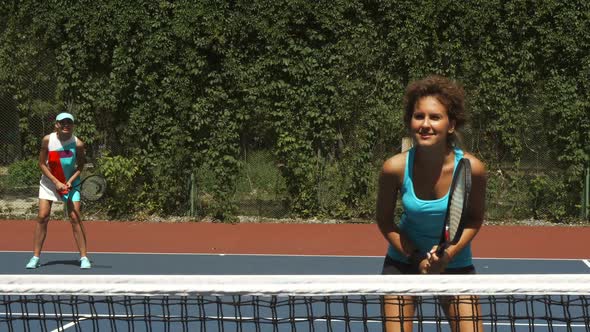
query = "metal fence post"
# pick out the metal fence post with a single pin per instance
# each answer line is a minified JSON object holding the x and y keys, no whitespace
{"x":586,"y":194}
{"x":193,"y":196}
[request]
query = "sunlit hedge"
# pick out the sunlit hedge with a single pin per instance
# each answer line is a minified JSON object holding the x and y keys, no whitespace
{"x":181,"y":86}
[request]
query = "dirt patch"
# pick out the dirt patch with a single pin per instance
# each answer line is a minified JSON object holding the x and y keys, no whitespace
{"x":18,"y":207}
{"x":24,"y":207}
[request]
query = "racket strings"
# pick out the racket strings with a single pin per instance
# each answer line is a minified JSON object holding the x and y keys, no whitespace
{"x":93,"y":188}
{"x":459,"y":199}
{"x":456,"y":206}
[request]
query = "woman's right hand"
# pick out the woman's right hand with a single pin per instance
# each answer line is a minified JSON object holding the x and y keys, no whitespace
{"x":61,"y":188}
{"x":424,"y":266}
{"x":422,"y":262}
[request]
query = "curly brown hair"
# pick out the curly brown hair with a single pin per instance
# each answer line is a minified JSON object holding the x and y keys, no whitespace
{"x":448,"y":92}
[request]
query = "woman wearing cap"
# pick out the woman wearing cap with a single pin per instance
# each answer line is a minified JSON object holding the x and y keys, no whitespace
{"x":61,"y":160}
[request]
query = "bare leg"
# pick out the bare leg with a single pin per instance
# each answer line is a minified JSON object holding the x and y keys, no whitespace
{"x":77,"y":226}
{"x":464,"y":313}
{"x":41,"y":226}
{"x":398,"y":313}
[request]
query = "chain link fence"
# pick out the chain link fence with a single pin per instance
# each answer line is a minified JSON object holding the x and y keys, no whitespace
{"x":530,"y":189}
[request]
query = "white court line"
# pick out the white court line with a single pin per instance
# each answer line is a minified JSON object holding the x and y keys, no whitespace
{"x":189,"y":254}
{"x":80,"y":318}
{"x":67,"y":326}
{"x":176,"y":318}
{"x":275,"y":255}
{"x":587,"y":262}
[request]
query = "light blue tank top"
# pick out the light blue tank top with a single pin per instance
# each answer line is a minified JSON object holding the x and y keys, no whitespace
{"x":422,"y":220}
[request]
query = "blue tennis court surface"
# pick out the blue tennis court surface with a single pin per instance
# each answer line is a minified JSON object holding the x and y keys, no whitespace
{"x":259,"y":314}
{"x":212,"y":264}
{"x":181,"y":315}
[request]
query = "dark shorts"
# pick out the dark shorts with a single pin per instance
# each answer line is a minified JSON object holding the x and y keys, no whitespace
{"x":391,"y":266}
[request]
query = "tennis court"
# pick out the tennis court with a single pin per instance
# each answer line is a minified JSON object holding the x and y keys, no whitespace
{"x":267,"y":110}
{"x":220,"y":277}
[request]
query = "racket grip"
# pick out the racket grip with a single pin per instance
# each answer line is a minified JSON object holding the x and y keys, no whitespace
{"x":440,"y":251}
{"x":63,"y":192}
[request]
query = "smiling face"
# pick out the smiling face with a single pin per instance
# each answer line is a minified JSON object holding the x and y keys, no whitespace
{"x":65,"y":127}
{"x":430,"y":124}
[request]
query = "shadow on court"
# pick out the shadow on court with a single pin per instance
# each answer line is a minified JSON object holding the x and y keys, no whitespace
{"x":219,"y":264}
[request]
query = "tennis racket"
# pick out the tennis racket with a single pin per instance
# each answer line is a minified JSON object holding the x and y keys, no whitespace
{"x":457,"y":206}
{"x":92,"y":188}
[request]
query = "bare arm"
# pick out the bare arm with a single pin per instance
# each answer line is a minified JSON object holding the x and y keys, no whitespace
{"x":390,"y":181}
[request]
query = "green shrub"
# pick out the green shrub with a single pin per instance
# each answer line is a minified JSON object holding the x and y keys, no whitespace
{"x":23,"y":173}
{"x":507,"y":194}
{"x":260,"y":177}
{"x":260,"y":188}
{"x":551,"y":198}
{"x":123,"y":192}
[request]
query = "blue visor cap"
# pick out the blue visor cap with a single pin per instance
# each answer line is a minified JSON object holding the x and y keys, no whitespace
{"x":62,"y":116}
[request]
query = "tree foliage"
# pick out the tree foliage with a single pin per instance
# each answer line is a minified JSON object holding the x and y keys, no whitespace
{"x":178,"y":86}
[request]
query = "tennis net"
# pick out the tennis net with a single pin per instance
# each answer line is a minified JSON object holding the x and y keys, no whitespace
{"x":291,"y":303}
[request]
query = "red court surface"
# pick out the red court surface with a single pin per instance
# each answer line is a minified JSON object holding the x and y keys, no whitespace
{"x":294,"y":239}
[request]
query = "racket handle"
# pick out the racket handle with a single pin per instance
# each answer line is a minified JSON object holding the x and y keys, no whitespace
{"x":63,"y":192}
{"x":440,"y":251}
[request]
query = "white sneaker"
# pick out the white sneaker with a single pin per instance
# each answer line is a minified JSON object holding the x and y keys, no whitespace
{"x":85,"y":263}
{"x":33,"y":263}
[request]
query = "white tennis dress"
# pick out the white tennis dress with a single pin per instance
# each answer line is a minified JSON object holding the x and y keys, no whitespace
{"x":61,"y":160}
